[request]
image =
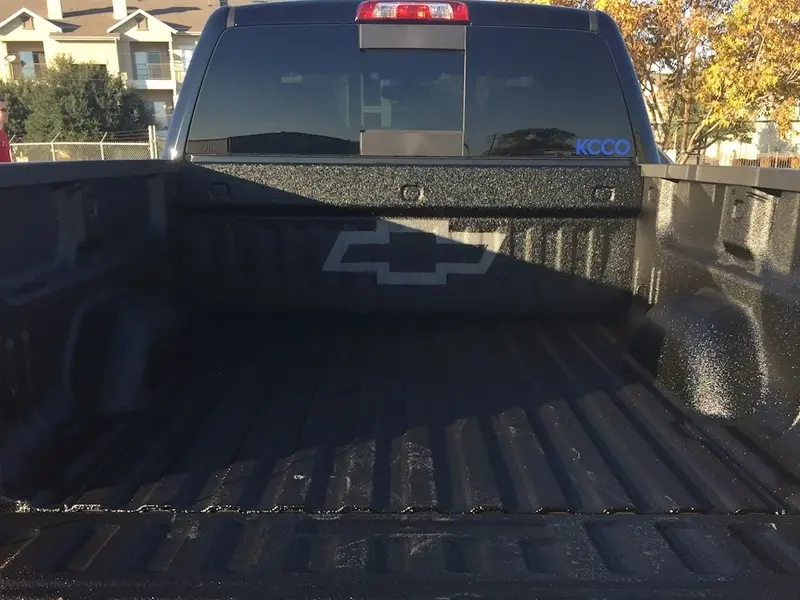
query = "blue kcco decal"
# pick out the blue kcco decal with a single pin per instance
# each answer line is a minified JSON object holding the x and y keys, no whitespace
{"x":607,"y":147}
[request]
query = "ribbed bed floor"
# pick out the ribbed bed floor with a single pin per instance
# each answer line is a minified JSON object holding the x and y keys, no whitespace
{"x":400,"y":414}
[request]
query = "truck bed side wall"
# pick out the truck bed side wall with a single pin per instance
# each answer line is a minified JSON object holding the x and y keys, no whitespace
{"x":69,"y":234}
{"x":718,"y":258}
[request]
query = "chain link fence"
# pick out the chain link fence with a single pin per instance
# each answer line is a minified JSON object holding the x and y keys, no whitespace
{"x":131,"y":145}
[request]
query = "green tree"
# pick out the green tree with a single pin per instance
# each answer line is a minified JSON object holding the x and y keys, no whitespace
{"x":699,"y":137}
{"x":17,"y":96}
{"x":81,"y":102}
{"x":755,"y":70}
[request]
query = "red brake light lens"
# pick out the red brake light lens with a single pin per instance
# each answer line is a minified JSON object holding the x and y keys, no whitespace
{"x":450,"y":12}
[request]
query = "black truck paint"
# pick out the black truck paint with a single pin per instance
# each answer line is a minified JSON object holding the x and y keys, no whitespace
{"x":192,"y":405}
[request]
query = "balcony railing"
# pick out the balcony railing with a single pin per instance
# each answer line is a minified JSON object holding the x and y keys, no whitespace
{"x":28,"y":71}
{"x":159,"y":71}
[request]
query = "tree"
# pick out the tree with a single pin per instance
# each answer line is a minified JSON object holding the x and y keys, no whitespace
{"x":669,"y":42}
{"x":80,"y":102}
{"x":17,"y":96}
{"x":709,"y":68}
{"x":698,"y":138}
{"x":755,"y":70}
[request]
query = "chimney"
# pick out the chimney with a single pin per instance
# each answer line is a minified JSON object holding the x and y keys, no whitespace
{"x":120,"y":9}
{"x":54,"y":11}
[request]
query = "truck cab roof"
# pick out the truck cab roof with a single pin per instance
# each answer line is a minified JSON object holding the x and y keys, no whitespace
{"x":481,"y":12}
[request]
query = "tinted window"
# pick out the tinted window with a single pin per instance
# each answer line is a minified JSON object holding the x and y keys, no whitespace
{"x":310,"y":90}
{"x":541,"y":92}
{"x":412,"y":90}
{"x":278,"y":90}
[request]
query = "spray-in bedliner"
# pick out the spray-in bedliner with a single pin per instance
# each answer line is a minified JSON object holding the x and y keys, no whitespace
{"x":392,"y":415}
{"x":161,"y":555}
{"x":375,"y":438}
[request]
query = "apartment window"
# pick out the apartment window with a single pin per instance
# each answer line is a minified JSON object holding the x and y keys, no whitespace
{"x":141,"y":23}
{"x":151,"y":64}
{"x":27,"y":22}
{"x":29,"y":64}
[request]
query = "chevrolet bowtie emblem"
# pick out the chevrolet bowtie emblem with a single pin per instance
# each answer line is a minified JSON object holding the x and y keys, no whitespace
{"x":389,"y":234}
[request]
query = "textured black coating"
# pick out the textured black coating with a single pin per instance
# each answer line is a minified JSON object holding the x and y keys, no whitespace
{"x":54,"y":218}
{"x":67,"y":232}
{"x":583,"y":474}
{"x":263,"y":233}
{"x":766,"y":178}
{"x":396,"y":414}
{"x":308,"y":458}
{"x":222,"y":555}
{"x":708,"y":354}
{"x":720,"y":264}
{"x":117,"y":345}
{"x":465,"y":189}
{"x":545,"y":265}
{"x":34,"y":174}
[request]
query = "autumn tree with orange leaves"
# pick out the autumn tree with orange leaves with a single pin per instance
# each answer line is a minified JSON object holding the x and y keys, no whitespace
{"x":710,"y":68}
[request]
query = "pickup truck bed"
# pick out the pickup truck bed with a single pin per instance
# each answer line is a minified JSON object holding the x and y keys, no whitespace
{"x":395,"y":415}
{"x":518,"y":359}
{"x":411,"y":425}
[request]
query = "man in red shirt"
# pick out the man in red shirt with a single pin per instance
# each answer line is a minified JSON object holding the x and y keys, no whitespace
{"x":5,"y":147}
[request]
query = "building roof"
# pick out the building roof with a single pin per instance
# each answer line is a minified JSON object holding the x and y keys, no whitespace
{"x":95,"y":17}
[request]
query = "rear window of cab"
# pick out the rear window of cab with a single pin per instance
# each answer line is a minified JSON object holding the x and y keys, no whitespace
{"x":309,"y":90}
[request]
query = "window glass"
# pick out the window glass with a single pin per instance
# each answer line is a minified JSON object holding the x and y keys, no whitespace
{"x":280,"y":90}
{"x":31,"y":64}
{"x":412,"y":90}
{"x":543,"y":92}
{"x":309,"y":90}
{"x":150,"y":64}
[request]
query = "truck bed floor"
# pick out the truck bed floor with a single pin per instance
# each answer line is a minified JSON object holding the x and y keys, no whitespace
{"x":395,"y":415}
{"x":375,"y":439}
